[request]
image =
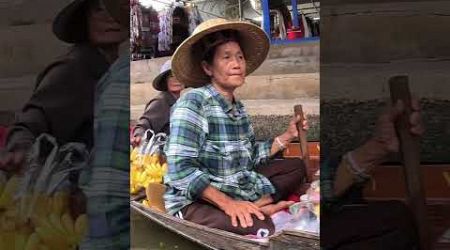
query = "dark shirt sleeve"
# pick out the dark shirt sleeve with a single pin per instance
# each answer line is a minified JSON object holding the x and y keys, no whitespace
{"x":155,"y":117}
{"x":59,"y":105}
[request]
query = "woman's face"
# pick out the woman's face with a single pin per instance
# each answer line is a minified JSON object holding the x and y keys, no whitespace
{"x":102,"y":28}
{"x":228,"y":67}
{"x":174,"y":86}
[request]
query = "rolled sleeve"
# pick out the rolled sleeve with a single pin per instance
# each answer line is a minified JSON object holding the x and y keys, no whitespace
{"x":198,"y":184}
{"x":261,"y":152}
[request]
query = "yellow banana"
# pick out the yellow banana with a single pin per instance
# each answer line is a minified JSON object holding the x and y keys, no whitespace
{"x":43,"y":205}
{"x":51,"y":239}
{"x":67,"y":223}
{"x":164,"y":167}
{"x":80,"y":226}
{"x":32,"y":242}
{"x":7,"y":225}
{"x":8,"y":192}
{"x":9,"y":240}
{"x":60,"y":202}
{"x":3,"y":181}
{"x":43,"y":247}
{"x":134,"y":155}
{"x":20,"y":241}
{"x":55,"y":221}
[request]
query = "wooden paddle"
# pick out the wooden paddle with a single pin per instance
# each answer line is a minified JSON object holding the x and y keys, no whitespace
{"x":410,"y":152}
{"x":298,"y":110}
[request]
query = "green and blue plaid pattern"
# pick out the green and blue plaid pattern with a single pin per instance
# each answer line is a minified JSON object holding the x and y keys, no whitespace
{"x":212,"y":143}
{"x":106,"y":182}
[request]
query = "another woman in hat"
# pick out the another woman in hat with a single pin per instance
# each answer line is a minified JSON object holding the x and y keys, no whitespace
{"x":63,"y":99}
{"x":218,"y":175}
{"x":157,"y":111}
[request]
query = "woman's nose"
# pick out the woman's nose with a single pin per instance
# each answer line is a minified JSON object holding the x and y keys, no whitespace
{"x":236,"y":63}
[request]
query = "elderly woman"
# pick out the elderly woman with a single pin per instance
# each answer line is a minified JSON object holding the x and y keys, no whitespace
{"x":218,"y":175}
{"x":62,"y":102}
{"x":157,"y":111}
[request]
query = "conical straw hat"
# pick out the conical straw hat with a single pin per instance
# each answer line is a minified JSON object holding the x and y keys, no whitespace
{"x":186,"y":63}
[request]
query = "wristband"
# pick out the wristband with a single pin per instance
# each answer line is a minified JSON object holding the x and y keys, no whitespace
{"x":281,"y":145}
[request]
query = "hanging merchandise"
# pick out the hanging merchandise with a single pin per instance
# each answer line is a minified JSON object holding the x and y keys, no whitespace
{"x":136,"y":23}
{"x":180,"y":27}
{"x":165,"y":27}
{"x":194,"y":18}
{"x":306,"y":29}
{"x":144,"y":30}
{"x":176,"y":23}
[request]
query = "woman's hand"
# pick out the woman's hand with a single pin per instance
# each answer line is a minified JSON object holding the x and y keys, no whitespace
{"x":241,"y":211}
{"x":237,"y":210}
{"x":385,"y":140}
{"x":12,"y":161}
{"x":290,"y":134}
{"x":135,"y":141}
{"x":385,"y":133}
{"x":292,"y":131}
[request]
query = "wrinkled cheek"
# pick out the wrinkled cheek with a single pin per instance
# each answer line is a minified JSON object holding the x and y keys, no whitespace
{"x":95,"y":36}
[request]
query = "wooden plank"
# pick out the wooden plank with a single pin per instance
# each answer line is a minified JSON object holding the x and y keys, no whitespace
{"x":388,"y":182}
{"x":287,"y":242}
{"x":293,"y":151}
{"x":410,"y":152}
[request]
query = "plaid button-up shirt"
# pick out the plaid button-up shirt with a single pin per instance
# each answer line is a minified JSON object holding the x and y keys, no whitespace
{"x":212,"y":143}
{"x":106,"y":182}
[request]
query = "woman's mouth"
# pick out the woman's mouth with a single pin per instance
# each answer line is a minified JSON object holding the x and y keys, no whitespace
{"x":113,"y":30}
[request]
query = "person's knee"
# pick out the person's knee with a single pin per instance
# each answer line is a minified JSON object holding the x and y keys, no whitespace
{"x":265,"y":225}
{"x":298,"y":170}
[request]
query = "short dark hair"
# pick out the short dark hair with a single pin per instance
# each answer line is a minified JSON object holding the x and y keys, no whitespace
{"x":207,"y":45}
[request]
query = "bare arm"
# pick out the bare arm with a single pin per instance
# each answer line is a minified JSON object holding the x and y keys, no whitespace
{"x":237,"y":210}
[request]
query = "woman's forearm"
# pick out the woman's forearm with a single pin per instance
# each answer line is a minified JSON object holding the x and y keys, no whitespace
{"x":365,"y":158}
{"x":279,"y":143}
{"x":215,"y":197}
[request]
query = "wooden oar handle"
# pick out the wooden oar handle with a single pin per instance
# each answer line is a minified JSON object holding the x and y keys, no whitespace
{"x":298,"y":111}
{"x":410,"y":152}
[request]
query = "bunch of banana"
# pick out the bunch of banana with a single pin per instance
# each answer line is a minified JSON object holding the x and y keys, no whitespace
{"x":8,"y":190}
{"x":51,"y":233}
{"x":145,"y":202}
{"x":146,"y":169}
{"x":60,"y":232}
{"x":50,"y":225}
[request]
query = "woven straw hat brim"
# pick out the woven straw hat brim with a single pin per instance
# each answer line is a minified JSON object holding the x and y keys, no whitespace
{"x":160,"y":81}
{"x":253,"y":41}
{"x":70,"y":25}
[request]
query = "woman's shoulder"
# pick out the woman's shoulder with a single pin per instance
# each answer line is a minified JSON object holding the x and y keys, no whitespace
{"x":156,"y":102}
{"x":200,"y":95}
{"x":80,"y":62}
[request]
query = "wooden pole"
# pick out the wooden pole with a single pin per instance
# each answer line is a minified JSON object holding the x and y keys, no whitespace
{"x":410,"y":152}
{"x":298,"y":110}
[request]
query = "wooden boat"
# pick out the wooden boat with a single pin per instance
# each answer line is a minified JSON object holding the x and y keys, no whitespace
{"x":211,"y":238}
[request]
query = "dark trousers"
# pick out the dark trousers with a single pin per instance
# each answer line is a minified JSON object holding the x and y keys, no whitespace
{"x":286,"y":176}
{"x":382,"y":225}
